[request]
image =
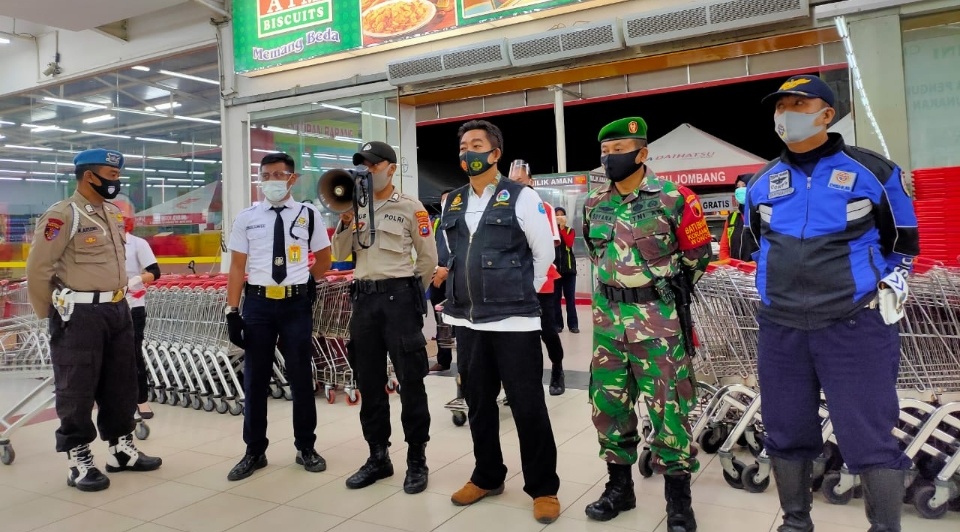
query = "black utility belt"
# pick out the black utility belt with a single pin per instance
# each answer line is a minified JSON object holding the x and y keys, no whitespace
{"x":629,"y":295}
{"x":277,"y":292}
{"x":362,"y":286}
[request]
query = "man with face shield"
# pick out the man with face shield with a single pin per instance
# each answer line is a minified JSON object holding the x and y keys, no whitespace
{"x":270,"y":242}
{"x":77,"y":277}
{"x":837,"y":235}
{"x":501,"y":250}
{"x":389,"y":303}
{"x":645,"y":236}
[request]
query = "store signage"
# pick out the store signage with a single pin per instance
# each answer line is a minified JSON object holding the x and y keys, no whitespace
{"x":726,"y":175}
{"x":270,"y":33}
{"x":714,"y":203}
{"x":553,"y":181}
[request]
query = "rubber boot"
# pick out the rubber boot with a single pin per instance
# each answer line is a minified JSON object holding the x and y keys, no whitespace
{"x":124,"y":456}
{"x":676,"y":490}
{"x":377,"y":467}
{"x":416,"y":479}
{"x":618,"y":495}
{"x":84,"y":474}
{"x":794,"y":485}
{"x":883,"y":491}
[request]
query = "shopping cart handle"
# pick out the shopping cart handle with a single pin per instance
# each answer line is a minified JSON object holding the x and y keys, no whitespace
{"x":747,"y":267}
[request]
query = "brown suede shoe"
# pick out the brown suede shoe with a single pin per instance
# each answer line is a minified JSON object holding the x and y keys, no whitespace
{"x":470,"y":494}
{"x":546,"y":509}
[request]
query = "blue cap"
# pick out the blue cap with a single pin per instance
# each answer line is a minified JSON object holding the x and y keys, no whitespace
{"x":807,"y":86}
{"x":99,"y":156}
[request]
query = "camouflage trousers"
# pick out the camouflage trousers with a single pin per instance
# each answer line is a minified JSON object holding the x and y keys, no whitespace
{"x":659,"y":370}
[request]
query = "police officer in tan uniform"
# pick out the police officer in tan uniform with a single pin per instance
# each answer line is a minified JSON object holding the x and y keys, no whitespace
{"x":76,"y":276}
{"x":388,"y":310}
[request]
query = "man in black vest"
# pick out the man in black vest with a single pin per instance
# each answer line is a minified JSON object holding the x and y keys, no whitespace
{"x":501,"y":248}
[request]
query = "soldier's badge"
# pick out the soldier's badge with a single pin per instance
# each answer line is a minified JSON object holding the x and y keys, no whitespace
{"x":504,"y":195}
{"x":423,"y":223}
{"x":455,"y":204}
{"x":278,"y":261}
{"x":52,"y":229}
{"x":90,"y":240}
{"x":119,"y":217}
{"x":633,"y":127}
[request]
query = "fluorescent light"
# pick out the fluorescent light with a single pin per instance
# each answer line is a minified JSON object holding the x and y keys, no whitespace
{"x":162,"y":106}
{"x":141,"y":68}
{"x":4,"y":40}
{"x":209,"y":161}
{"x":328,"y":156}
{"x":41,"y":129}
{"x":12,"y":171}
{"x":95,"y":119}
{"x":385,"y":117}
{"x":338,"y":108}
{"x":61,"y":163}
{"x":138,"y":112}
{"x":202,"y":144}
{"x":31,"y":126}
{"x":11,"y":179}
{"x":18,"y":147}
{"x":173,"y":171}
{"x":154,"y":179}
{"x":279,"y":130}
{"x":111,"y":135}
{"x":196,"y":119}
{"x":6,"y":123}
{"x":179,"y":180}
{"x":164,"y":141}
{"x":161,"y":158}
{"x":348,"y":139}
{"x":188,"y":76}
{"x":74,"y":103}
{"x":44,"y":173}
{"x":125,"y":178}
{"x":264,"y":151}
{"x":40,"y":180}
{"x":18,"y":161}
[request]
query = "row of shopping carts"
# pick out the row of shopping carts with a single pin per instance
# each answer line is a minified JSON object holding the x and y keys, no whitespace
{"x":729,"y":414}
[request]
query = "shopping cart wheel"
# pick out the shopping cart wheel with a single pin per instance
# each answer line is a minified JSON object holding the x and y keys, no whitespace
{"x":735,"y":483}
{"x":750,"y":481}
{"x":755,"y":451}
{"x":392,"y":385}
{"x":7,"y":454}
{"x":276,"y":391}
{"x":954,"y":505}
{"x":353,"y":397}
{"x":712,"y":439}
{"x":142,"y":431}
{"x":223,"y":407}
{"x":829,"y":489}
{"x":161,"y":396}
{"x":185,"y":399}
{"x":644,"y":462}
{"x":236,"y":408}
{"x":288,"y":394}
{"x":209,"y":405}
{"x":330,"y":394}
{"x":921,"y":501}
{"x":196,"y":402}
{"x":459,"y":418}
{"x":151,"y":395}
{"x":172,"y":398}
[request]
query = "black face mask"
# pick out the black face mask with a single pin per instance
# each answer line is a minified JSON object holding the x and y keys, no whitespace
{"x":620,"y":166}
{"x":475,"y":163}
{"x":108,"y":188}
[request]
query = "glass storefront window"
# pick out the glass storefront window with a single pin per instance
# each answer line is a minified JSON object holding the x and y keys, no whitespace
{"x":321,"y":136}
{"x":931,"y":62}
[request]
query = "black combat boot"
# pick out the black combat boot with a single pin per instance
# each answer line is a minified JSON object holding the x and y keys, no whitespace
{"x":416,"y":479}
{"x":883,"y":491}
{"x":84,"y":474}
{"x":557,"y":385}
{"x":794,"y":485}
{"x":618,"y":495}
{"x":377,"y":467}
{"x":124,"y":456}
{"x":680,"y":516}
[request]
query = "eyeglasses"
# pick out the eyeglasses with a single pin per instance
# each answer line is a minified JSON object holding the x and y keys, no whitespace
{"x":267,"y":176}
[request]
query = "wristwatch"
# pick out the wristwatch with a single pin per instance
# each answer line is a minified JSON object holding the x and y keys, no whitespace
{"x":227,"y":310}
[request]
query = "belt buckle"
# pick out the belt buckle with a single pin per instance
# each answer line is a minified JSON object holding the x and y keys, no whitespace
{"x":275,"y":292}
{"x":117,"y":296}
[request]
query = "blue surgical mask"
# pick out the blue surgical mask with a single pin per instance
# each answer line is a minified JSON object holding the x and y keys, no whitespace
{"x":740,"y":195}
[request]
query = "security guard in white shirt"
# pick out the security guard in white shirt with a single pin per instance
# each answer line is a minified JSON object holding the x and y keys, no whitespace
{"x":276,"y":235}
{"x":388,"y":308}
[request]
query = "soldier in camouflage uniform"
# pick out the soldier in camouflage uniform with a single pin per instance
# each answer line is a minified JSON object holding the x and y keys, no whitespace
{"x":642,"y":233}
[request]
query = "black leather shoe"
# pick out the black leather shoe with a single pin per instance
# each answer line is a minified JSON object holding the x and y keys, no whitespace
{"x":575,"y":330}
{"x":557,"y":385}
{"x":680,"y":517}
{"x":247,"y":466}
{"x":417,"y":471}
{"x":378,"y":466}
{"x":311,"y":461}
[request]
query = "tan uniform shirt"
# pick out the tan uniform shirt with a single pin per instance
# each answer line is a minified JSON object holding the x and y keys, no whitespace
{"x":401,"y":223}
{"x":92,"y":261}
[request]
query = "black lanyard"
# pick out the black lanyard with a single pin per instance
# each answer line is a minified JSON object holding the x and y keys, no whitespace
{"x":294,"y":224}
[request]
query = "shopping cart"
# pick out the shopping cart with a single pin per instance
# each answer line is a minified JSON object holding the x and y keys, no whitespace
{"x":24,"y":354}
{"x":331,"y":332}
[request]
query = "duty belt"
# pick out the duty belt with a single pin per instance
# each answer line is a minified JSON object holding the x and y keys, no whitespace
{"x":115,"y":296}
{"x":362,"y":286}
{"x":628,"y":295}
{"x":277,"y":292}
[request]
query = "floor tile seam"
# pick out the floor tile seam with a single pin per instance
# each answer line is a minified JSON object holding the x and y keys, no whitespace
{"x":274,"y":507}
{"x":459,"y":510}
{"x":197,"y":501}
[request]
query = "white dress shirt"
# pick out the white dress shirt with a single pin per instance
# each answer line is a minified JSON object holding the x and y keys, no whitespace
{"x":252,"y":235}
{"x":139,"y":256}
{"x":533,"y":221}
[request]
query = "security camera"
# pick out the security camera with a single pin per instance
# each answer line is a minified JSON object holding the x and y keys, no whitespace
{"x":53,"y":69}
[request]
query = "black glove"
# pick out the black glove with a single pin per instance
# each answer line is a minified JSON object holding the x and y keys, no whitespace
{"x":235,"y":329}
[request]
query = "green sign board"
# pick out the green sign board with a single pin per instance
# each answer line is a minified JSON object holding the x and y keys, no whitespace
{"x":271,"y":33}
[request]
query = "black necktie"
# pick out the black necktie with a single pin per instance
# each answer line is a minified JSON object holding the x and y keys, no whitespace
{"x":279,"y":255}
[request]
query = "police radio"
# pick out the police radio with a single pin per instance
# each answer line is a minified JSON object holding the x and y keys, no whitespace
{"x":341,"y":190}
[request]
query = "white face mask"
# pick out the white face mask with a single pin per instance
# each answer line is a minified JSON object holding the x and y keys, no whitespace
{"x":274,"y":191}
{"x":381,"y":179}
{"x":794,"y":127}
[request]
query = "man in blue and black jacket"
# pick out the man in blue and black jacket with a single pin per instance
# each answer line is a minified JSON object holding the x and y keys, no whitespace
{"x":836,"y":230}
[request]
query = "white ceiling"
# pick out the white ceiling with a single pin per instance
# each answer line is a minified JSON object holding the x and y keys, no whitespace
{"x":78,"y":15}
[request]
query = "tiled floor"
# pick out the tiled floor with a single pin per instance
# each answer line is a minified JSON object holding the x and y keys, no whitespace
{"x":191,"y":493}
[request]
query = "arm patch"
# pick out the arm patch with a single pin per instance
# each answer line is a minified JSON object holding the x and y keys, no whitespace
{"x":692,"y":232}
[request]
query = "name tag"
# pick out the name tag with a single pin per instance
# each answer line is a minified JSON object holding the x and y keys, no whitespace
{"x":293,"y":253}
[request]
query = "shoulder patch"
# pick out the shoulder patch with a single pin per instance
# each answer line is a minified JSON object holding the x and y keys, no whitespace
{"x":692,"y":231}
{"x":423,"y":223}
{"x":52,"y":229}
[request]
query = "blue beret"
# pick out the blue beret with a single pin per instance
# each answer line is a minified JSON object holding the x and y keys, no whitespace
{"x":99,"y":156}
{"x":807,"y":86}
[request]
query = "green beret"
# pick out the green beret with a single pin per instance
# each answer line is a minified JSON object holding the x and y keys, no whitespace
{"x":625,"y":128}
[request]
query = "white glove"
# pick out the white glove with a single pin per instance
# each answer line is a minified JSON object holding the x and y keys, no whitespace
{"x":135,"y":284}
{"x":892,"y":296}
